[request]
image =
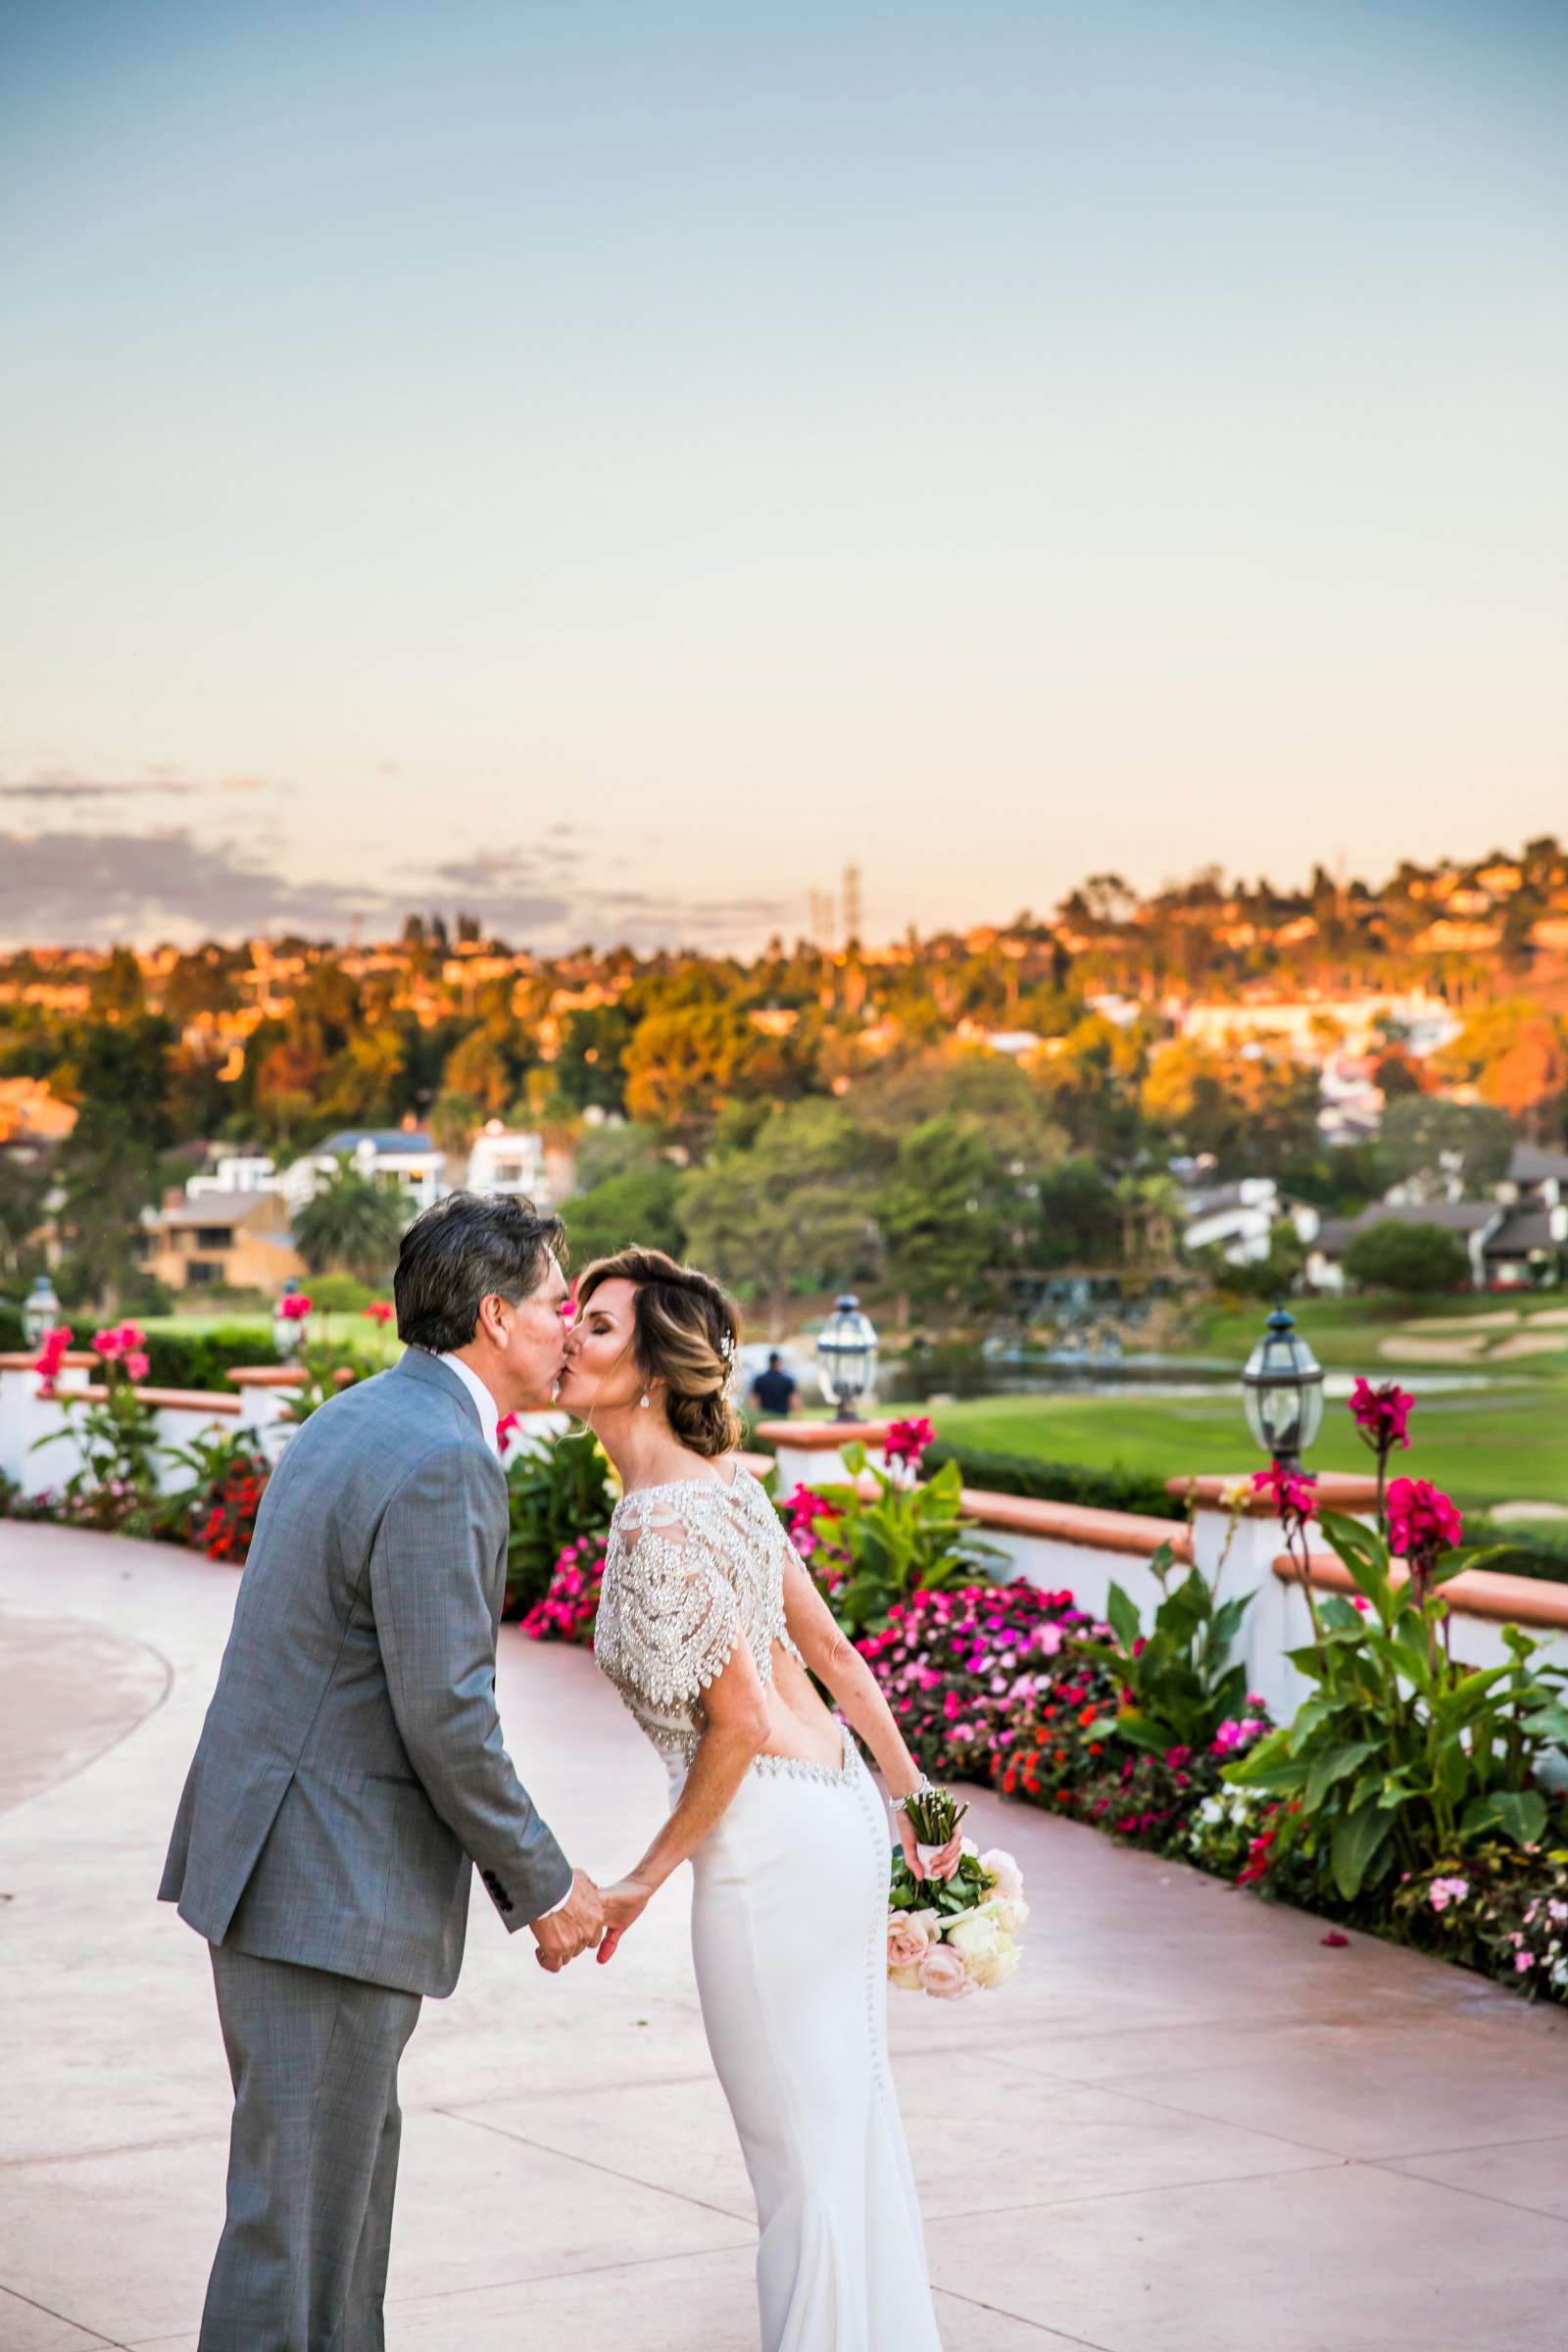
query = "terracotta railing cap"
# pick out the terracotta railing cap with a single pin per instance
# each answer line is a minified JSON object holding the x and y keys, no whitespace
{"x":77,"y":1358}
{"x":266,"y":1376}
{"x":1341,"y":1490}
{"x":1475,"y":1591}
{"x":1132,"y":1533}
{"x":174,"y":1400}
{"x":822,"y":1432}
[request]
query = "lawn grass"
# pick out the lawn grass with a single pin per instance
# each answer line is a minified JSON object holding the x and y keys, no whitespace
{"x":1482,"y":1446}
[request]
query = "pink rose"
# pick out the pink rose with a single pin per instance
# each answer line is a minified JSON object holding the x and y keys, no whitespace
{"x":137,"y":1366}
{"x":944,"y":1976}
{"x":909,"y":1938}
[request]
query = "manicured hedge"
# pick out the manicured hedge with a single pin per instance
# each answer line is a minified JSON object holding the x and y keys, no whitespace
{"x":1059,"y":1482}
{"x":1524,"y":1552}
{"x":12,"y":1337}
{"x":202,"y":1360}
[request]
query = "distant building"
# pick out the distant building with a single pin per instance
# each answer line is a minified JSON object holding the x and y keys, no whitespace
{"x":1474,"y":1223}
{"x":235,"y":1172}
{"x":222,"y":1241}
{"x":511,"y":1160}
{"x":406,"y":1157}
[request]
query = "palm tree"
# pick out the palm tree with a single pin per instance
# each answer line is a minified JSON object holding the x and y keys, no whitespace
{"x":352,"y":1223}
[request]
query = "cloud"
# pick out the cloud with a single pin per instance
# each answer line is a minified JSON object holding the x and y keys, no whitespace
{"x":93,"y":887}
{"x":89,"y":888}
{"x":84,"y":788}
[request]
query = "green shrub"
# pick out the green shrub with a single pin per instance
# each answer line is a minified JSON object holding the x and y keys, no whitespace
{"x":1059,"y":1482}
{"x":202,"y":1360}
{"x":558,"y":1494}
{"x":1516,"y":1550}
{"x":12,"y":1337}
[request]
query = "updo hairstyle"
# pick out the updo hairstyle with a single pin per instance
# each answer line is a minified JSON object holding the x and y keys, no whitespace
{"x":681,"y":1320}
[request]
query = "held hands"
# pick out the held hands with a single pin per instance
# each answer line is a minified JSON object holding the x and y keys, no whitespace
{"x":575,"y":1928}
{"x":941,"y":1866}
{"x":624,"y":1904}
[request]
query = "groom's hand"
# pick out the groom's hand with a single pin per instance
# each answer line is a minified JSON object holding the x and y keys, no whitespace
{"x":574,"y":1926}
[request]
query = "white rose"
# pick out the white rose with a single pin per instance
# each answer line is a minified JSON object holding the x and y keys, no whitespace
{"x":1011,"y":1912}
{"x":990,"y":1975}
{"x":976,"y":1937}
{"x":908,"y":1979}
{"x":1005,"y":1870}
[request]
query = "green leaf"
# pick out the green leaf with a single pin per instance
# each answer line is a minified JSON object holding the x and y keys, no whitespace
{"x":1333,"y":1765}
{"x":1122,"y":1617}
{"x":1355,"y":1849}
{"x":1520,"y":1813}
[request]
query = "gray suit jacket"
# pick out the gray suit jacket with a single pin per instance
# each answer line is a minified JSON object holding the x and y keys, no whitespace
{"x":352,"y":1758}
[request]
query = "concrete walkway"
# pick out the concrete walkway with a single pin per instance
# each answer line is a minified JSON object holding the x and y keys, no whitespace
{"x":1186,"y":2126}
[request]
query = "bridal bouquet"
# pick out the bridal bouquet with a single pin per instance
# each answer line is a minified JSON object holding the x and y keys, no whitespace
{"x":953,"y":1936}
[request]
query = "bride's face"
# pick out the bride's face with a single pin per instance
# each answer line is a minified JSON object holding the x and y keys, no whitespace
{"x":600,"y":1373}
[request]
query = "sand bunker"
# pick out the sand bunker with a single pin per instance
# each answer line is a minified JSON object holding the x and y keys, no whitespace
{"x":1419,"y":1351}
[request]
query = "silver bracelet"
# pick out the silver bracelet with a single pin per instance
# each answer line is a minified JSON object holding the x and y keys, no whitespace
{"x":902,"y":1804}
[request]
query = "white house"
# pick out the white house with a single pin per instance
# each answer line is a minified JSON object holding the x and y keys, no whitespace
{"x":406,"y":1157}
{"x":1239,"y":1218}
{"x":509,"y":1160}
{"x":236,"y":1172}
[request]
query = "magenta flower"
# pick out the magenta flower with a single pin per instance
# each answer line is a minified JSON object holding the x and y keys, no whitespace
{"x":294,"y":1306}
{"x":51,"y":1355}
{"x":801,"y":1510}
{"x":1289,"y":1491}
{"x":1422,"y":1523}
{"x":379,"y":1310}
{"x":907,"y":1442}
{"x":1382,"y":1414}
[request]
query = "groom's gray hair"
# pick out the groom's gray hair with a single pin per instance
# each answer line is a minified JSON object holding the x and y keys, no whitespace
{"x":468,"y":1247}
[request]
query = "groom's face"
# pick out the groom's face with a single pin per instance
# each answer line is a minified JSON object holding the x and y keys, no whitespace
{"x":530,"y":1338}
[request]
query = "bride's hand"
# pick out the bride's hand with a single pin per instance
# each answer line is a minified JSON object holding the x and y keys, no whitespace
{"x":941,"y":1865}
{"x":624,"y":1904}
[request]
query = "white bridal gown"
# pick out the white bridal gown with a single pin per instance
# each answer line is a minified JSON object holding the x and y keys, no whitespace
{"x":789,"y":1930}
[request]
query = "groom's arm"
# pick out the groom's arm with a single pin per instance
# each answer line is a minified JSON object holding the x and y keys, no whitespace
{"x":433,"y":1569}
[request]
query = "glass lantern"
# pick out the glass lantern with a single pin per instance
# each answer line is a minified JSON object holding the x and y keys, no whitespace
{"x":846,"y":1357}
{"x":1282,"y":1388}
{"x":41,"y":1311}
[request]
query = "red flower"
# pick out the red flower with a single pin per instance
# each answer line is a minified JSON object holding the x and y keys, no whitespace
{"x":1333,"y":1940}
{"x":907,"y":1442}
{"x":294,"y":1306}
{"x":381,"y":1310}
{"x":504,"y":1428}
{"x":801,"y":1510}
{"x":52,"y":1354}
{"x":1422,"y":1522}
{"x":1289,"y":1491}
{"x":137,"y":1364}
{"x":1381,"y":1414}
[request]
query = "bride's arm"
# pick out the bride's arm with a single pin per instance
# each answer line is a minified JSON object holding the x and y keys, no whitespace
{"x":737,"y":1725}
{"x":834,"y":1659}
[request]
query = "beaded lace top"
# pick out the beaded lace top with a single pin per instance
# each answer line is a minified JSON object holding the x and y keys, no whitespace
{"x":691,"y":1568}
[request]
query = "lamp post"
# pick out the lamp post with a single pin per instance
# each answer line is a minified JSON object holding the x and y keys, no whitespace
{"x":41,"y":1311}
{"x":1282,"y":1388}
{"x":288,"y":1322}
{"x":846,"y":1355}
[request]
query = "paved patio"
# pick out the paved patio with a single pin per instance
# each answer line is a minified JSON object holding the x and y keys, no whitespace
{"x":1186,"y":2126}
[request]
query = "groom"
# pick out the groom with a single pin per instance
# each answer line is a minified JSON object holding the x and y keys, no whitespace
{"x":352,"y":1766}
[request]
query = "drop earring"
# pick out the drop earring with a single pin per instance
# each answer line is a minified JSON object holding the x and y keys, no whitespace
{"x":643,"y":1400}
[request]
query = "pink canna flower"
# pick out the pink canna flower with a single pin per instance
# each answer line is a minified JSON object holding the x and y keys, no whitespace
{"x":1422,"y":1523}
{"x":1382,"y":1414}
{"x":1289,"y":1491}
{"x":907,"y":1442}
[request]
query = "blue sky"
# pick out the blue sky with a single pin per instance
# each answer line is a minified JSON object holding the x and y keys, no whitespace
{"x":608,"y":465}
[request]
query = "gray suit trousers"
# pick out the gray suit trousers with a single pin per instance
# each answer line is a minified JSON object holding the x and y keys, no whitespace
{"x":312,"y":2157}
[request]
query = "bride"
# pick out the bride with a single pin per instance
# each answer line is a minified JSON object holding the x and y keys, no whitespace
{"x":707,"y":1626}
